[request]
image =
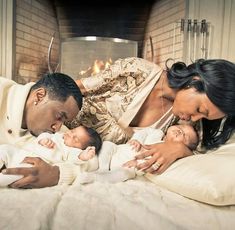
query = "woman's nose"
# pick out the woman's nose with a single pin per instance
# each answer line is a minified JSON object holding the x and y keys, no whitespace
{"x":175,"y":111}
{"x":196,"y":117}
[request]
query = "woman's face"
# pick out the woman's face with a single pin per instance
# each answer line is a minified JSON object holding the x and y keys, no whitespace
{"x":189,"y":104}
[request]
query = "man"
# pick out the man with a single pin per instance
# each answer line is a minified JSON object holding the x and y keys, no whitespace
{"x":28,"y":110}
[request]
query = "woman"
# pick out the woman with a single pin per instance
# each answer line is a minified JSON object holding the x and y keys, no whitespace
{"x":126,"y":96}
{"x":205,"y":89}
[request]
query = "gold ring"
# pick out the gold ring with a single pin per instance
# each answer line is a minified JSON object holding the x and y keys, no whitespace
{"x":155,"y":166}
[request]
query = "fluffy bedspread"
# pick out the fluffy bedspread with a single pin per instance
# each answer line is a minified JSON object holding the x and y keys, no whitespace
{"x":134,"y":204}
{"x":200,"y":195}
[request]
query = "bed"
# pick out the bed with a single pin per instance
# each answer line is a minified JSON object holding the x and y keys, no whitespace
{"x":196,"y":192}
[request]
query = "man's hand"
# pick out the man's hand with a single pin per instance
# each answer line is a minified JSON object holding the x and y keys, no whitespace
{"x":40,"y":175}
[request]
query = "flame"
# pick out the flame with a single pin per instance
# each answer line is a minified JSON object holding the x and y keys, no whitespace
{"x":108,"y":63}
{"x":97,"y":66}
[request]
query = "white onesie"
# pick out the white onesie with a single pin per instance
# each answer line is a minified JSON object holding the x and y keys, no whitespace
{"x":12,"y":156}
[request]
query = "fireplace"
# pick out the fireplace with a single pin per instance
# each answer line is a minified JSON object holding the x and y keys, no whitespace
{"x":78,"y":54}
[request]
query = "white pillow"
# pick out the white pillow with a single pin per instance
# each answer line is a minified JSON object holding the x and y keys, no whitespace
{"x":208,"y":178}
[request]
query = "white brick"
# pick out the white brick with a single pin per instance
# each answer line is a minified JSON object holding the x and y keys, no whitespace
{"x":161,"y":27}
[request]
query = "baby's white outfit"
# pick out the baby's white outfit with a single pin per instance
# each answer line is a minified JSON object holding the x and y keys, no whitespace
{"x":12,"y":156}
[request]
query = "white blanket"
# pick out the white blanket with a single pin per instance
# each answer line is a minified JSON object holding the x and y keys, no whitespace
{"x":135,"y":204}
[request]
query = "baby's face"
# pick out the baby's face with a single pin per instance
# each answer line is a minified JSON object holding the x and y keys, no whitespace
{"x":77,"y":137}
{"x":181,"y":133}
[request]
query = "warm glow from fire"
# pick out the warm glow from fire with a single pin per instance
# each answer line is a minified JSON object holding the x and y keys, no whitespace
{"x":97,"y":66}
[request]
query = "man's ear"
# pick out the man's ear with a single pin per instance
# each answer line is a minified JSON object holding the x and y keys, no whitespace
{"x":39,"y":94}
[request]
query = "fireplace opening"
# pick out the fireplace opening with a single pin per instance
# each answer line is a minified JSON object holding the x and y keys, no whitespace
{"x":85,"y":56}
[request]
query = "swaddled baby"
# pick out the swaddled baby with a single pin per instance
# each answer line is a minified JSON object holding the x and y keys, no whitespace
{"x":117,"y":162}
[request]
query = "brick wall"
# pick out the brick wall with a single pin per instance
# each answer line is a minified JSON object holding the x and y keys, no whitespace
{"x":35,"y":24}
{"x":160,"y":27}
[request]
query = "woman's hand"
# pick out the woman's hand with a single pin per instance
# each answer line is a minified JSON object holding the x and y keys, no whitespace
{"x":81,"y":86}
{"x":162,"y":156}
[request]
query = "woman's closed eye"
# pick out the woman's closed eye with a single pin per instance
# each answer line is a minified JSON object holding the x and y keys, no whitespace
{"x":203,"y":112}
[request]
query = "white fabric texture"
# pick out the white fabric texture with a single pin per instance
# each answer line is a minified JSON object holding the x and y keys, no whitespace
{"x":12,"y":101}
{"x":11,"y":156}
{"x":135,"y":204}
{"x":208,"y":178}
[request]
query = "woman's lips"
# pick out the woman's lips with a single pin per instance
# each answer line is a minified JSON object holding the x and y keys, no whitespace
{"x":185,"y":118}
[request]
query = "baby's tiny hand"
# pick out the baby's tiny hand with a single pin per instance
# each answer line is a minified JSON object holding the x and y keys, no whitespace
{"x":87,"y":154}
{"x":46,"y":142}
{"x":136,"y":145}
{"x":130,"y":164}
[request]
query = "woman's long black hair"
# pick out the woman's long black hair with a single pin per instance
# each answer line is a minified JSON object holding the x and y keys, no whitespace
{"x":215,"y":78}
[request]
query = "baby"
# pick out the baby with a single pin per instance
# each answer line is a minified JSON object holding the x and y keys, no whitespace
{"x":79,"y":146}
{"x":112,"y":157}
{"x":80,"y":143}
{"x":185,"y":134}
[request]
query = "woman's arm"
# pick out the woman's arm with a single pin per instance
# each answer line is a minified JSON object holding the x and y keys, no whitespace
{"x":81,"y":86}
{"x":100,"y":80}
{"x":136,"y":68}
{"x":162,"y":153}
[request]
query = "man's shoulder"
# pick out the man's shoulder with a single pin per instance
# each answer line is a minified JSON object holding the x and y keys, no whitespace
{"x":6,"y":82}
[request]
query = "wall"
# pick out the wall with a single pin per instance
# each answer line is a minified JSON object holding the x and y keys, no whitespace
{"x":163,"y":16}
{"x":221,"y":16}
{"x":6,"y":37}
{"x":35,"y":24}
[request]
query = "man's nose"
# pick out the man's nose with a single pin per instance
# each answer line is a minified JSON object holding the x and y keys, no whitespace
{"x":56,"y":127}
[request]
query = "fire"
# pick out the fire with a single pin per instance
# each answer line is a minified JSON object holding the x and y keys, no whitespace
{"x":97,"y":66}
